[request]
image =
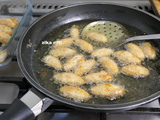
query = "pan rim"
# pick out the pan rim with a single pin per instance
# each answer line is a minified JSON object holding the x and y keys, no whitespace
{"x":97,"y":107}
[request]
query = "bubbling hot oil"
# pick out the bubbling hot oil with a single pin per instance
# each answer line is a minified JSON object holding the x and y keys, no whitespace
{"x":136,"y":88}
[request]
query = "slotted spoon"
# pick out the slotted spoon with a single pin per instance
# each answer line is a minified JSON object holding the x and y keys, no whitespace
{"x":116,"y":33}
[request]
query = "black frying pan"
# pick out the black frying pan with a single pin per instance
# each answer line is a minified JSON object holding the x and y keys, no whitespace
{"x":54,"y":24}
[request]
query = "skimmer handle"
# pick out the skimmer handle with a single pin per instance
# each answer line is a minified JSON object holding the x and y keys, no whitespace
{"x":143,"y":37}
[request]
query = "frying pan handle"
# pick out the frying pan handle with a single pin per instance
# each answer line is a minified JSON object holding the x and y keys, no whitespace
{"x":17,"y":111}
{"x":28,"y":107}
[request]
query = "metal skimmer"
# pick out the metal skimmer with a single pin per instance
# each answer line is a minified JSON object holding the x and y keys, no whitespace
{"x":115,"y":32}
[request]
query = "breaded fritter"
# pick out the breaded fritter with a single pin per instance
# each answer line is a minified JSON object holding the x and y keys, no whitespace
{"x":52,"y":61}
{"x":135,"y":71}
{"x":74,"y":32}
{"x":109,"y":65}
{"x":65,"y":42}
{"x":97,"y":37}
{"x":68,"y":78}
{"x":109,"y":91}
{"x":103,"y":52}
{"x":135,"y":50}
{"x":85,"y":66}
{"x":76,"y":93}
{"x":84,"y":45}
{"x":72,"y":62}
{"x":126,"y":57}
{"x":99,"y":77}
{"x":62,"y":52}
{"x":148,"y":50}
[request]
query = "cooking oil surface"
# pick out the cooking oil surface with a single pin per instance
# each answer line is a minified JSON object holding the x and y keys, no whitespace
{"x":136,"y":88}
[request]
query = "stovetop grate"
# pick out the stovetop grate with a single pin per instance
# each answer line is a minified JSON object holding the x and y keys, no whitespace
{"x":41,"y":6}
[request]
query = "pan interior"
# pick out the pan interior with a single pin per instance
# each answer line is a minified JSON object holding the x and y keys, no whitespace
{"x":135,"y":88}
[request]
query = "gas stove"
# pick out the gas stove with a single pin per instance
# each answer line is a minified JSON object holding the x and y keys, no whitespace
{"x":14,"y":85}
